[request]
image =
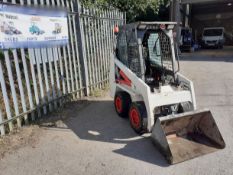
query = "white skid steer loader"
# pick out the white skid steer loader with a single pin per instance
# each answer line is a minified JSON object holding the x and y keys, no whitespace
{"x":148,"y":88}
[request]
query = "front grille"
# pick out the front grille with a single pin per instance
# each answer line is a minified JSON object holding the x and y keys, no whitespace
{"x":166,"y":52}
{"x":212,"y":42}
{"x":134,"y":58}
{"x":128,"y":51}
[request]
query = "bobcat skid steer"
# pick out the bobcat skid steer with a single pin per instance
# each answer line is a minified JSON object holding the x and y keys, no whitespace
{"x":148,"y":88}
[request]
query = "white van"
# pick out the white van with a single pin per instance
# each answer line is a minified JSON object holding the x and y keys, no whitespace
{"x":213,"y":37}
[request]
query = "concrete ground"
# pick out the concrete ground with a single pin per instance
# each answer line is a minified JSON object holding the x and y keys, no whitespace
{"x":94,"y":140}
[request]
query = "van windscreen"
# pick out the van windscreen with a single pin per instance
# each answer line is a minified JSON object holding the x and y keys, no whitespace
{"x":213,"y":32}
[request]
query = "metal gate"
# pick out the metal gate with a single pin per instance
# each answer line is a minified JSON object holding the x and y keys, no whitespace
{"x":37,"y":81}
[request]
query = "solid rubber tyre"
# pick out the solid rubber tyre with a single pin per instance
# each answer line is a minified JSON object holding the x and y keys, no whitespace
{"x":122,"y":103}
{"x":185,"y":107}
{"x":137,"y":116}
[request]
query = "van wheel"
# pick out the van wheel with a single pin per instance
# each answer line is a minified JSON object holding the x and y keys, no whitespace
{"x":122,"y":102}
{"x":138,"y":116}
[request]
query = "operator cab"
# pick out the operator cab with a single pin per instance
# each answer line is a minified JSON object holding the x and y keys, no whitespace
{"x":145,"y":48}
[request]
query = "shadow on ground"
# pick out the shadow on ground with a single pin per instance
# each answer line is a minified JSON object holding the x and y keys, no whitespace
{"x":98,"y":121}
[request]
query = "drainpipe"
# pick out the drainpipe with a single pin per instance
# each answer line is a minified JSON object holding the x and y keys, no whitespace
{"x":187,"y":14}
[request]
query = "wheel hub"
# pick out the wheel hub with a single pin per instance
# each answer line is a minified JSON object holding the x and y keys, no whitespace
{"x":118,"y":104}
{"x":135,"y":119}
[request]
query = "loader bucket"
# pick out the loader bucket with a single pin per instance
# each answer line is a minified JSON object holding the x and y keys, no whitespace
{"x":185,"y":136}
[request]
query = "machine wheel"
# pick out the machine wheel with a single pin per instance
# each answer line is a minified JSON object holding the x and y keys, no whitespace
{"x":122,"y":103}
{"x":137,"y":115}
{"x":185,"y":107}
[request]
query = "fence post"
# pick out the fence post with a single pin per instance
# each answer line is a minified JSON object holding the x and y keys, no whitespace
{"x":5,"y":96}
{"x":2,"y":127}
{"x":81,"y":46}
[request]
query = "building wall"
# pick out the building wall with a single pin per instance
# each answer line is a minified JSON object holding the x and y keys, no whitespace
{"x":213,"y":16}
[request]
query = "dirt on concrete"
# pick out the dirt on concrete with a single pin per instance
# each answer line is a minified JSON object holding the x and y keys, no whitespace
{"x":89,"y":138}
{"x":30,"y":135}
{"x":19,"y":138}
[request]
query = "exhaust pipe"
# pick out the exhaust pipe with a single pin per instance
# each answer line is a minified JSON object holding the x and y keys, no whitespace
{"x":188,"y":135}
